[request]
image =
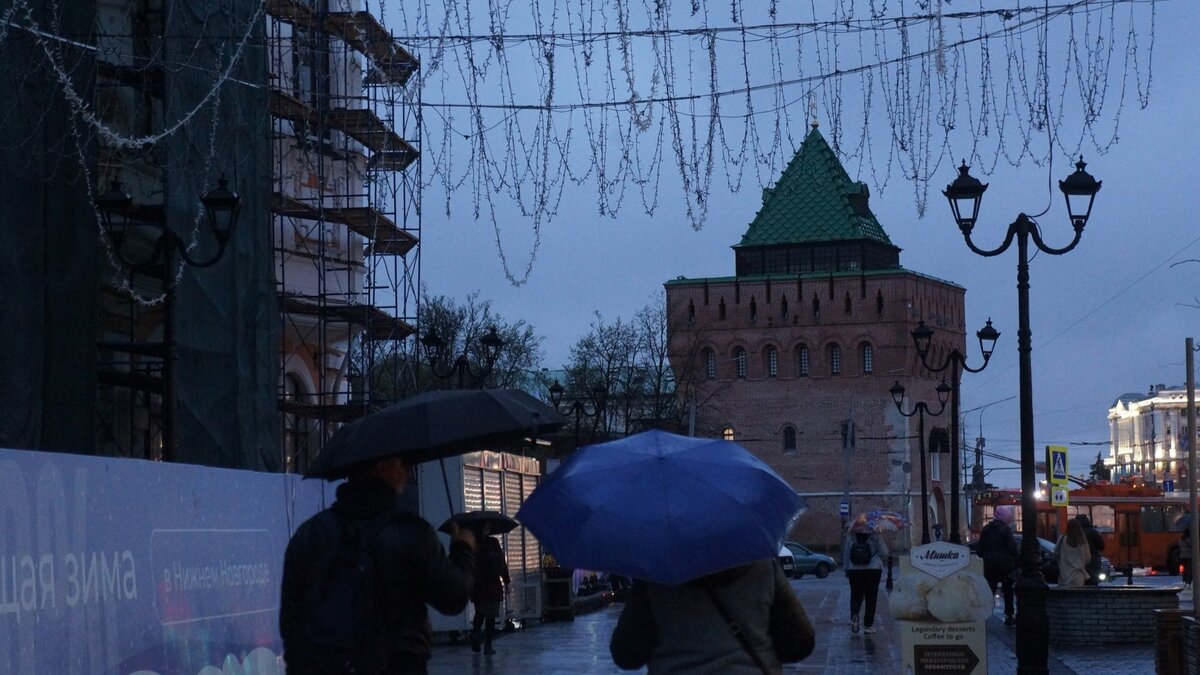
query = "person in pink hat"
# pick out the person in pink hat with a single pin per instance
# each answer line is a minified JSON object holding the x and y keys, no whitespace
{"x":998,"y":548}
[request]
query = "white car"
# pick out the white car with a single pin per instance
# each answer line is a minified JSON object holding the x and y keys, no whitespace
{"x":787,"y":562}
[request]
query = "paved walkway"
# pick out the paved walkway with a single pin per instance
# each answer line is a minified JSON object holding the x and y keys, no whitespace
{"x":581,"y":647}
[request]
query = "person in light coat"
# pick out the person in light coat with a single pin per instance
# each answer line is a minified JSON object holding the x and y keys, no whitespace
{"x":1073,"y":556}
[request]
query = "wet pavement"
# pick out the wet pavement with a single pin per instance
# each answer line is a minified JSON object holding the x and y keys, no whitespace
{"x":581,"y":646}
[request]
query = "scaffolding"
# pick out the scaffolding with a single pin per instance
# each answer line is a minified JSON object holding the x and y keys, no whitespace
{"x":346,"y":214}
{"x":325,"y":103}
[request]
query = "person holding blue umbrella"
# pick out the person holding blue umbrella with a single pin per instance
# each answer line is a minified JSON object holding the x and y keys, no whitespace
{"x":642,"y":507}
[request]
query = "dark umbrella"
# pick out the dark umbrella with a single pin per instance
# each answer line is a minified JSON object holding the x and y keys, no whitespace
{"x":1184,"y":522}
{"x":474,"y":520}
{"x":661,"y":507}
{"x":436,"y":424}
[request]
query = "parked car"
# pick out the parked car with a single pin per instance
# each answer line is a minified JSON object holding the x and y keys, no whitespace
{"x":787,"y":561}
{"x":808,"y":561}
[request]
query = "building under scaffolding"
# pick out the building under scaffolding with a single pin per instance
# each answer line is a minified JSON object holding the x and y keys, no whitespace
{"x":307,"y":108}
{"x":345,"y":204}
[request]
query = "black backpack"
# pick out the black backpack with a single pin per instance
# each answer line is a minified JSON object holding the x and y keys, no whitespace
{"x":344,"y":626}
{"x":860,"y":553}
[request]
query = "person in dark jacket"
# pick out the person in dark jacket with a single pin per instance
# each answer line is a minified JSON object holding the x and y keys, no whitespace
{"x":1095,"y":545}
{"x":684,"y":629}
{"x":998,"y":548}
{"x":491,"y":578}
{"x":413,"y":568}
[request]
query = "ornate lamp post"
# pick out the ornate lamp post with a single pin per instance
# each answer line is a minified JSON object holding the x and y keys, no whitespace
{"x":921,"y":409}
{"x":579,"y":408}
{"x":955,"y":362}
{"x":221,"y":205}
{"x":435,"y":353}
{"x":964,"y":195}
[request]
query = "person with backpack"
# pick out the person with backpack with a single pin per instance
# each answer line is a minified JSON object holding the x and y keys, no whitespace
{"x":491,"y":577}
{"x":357,"y":578}
{"x":863,"y":556}
{"x":998,"y":548}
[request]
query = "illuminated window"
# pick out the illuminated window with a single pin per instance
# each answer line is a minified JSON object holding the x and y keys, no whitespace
{"x":868,"y":359}
{"x":710,"y":364}
{"x":772,"y":362}
{"x":835,"y":360}
{"x":739,"y":355}
{"x":727,"y":433}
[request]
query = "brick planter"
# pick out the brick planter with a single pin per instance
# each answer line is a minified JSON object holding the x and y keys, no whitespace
{"x":1191,"y":645}
{"x":1094,"y":615}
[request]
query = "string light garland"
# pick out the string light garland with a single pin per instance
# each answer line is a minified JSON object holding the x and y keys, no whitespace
{"x":648,"y":101}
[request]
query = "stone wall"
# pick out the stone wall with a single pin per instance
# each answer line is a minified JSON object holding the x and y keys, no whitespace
{"x":1106,"y":614}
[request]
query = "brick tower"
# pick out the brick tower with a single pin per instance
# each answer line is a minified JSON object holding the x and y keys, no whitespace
{"x":810,"y":333}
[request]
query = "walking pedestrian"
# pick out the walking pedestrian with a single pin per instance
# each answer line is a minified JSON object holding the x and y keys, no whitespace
{"x":357,"y":578}
{"x":1185,"y":556}
{"x":742,"y":621}
{"x":998,"y":548}
{"x":1095,"y":546}
{"x":491,"y":578}
{"x":1073,"y":554}
{"x":863,"y":557}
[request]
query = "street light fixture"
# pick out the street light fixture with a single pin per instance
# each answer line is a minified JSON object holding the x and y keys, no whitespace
{"x":599,"y":400}
{"x":964,"y":195}
{"x":435,"y":353}
{"x":921,"y":409}
{"x":117,"y":211}
{"x":955,"y":362}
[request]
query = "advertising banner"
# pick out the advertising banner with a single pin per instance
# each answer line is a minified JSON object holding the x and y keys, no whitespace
{"x":125,"y":566}
{"x":942,"y":602}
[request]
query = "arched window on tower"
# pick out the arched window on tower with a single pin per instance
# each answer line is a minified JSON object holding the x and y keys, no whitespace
{"x":789,"y":440}
{"x":802,"y":361}
{"x":710,"y":364}
{"x":739,"y":355}
{"x":727,"y":433}
{"x":867,"y":353}
{"x":835,"y":359}
{"x":772,"y":362}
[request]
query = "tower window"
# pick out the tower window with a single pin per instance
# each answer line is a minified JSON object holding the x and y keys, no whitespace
{"x":710,"y":364}
{"x":739,"y":355}
{"x":802,"y":361}
{"x":868,"y":359}
{"x":789,"y":440}
{"x":835,"y":360}
{"x":772,"y":362}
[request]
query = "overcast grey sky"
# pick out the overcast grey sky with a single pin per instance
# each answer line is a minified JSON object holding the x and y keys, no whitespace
{"x":1108,"y":318}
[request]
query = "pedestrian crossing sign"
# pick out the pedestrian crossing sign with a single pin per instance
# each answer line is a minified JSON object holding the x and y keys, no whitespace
{"x":1056,"y":464}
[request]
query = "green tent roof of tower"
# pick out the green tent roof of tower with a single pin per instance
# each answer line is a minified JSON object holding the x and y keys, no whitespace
{"x":814,"y":201}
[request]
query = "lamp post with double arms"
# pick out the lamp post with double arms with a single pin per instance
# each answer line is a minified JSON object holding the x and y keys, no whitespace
{"x":921,"y":409}
{"x":964,"y":195}
{"x":578,"y":408}
{"x":435,"y":354}
{"x":955,"y":362}
{"x":120,"y":219}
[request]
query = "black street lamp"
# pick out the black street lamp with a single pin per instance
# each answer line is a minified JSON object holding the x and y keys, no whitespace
{"x":955,"y":362}
{"x":579,"y":408}
{"x":964,"y":195}
{"x":435,"y":353}
{"x":921,"y":409}
{"x":221,"y":205}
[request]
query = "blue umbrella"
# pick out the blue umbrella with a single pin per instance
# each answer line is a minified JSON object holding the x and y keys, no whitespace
{"x":661,"y":507}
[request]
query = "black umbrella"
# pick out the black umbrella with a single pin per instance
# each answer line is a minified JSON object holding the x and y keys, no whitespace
{"x":434,"y":425}
{"x":474,"y":520}
{"x":1184,"y":522}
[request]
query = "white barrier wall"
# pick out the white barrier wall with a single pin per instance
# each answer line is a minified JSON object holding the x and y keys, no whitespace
{"x":123,"y":566}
